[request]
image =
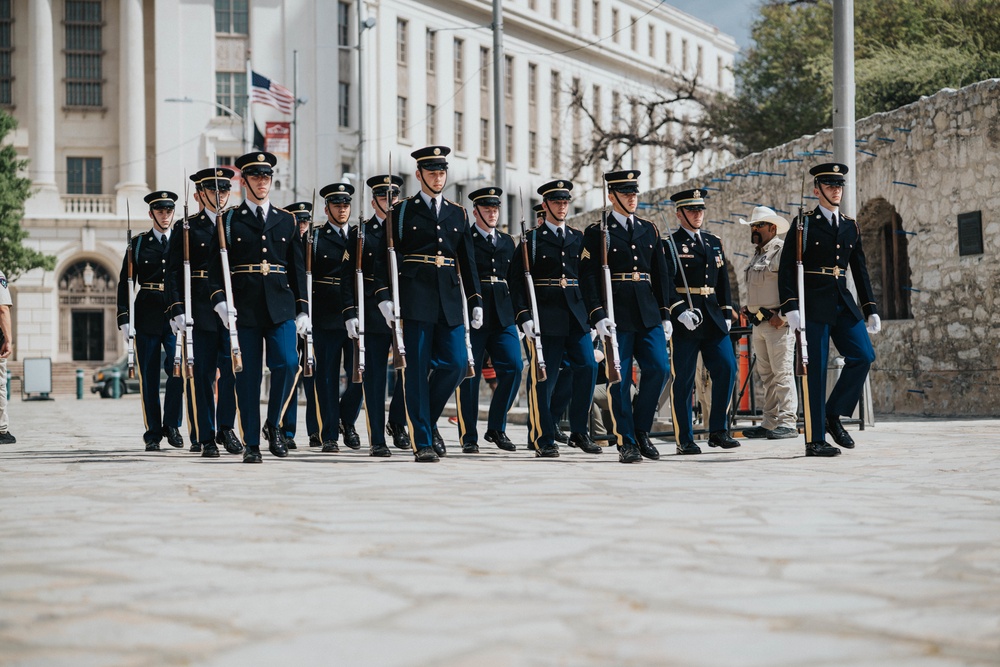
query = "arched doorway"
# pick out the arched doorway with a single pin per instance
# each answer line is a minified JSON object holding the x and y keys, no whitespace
{"x":87,"y":312}
{"x":887,"y":251}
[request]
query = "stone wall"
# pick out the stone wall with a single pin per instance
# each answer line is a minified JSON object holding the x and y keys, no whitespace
{"x":944,"y":358}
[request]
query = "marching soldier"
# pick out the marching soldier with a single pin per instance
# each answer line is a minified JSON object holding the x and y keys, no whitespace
{"x":498,"y":334}
{"x":302,"y":211}
{"x":831,"y":244}
{"x":334,"y":350}
{"x":378,"y":336}
{"x":642,"y":289}
{"x":433,"y":239}
{"x":268,"y":293}
{"x":539,"y":210}
{"x":702,"y":313}
{"x":554,"y":255}
{"x":773,"y":341}
{"x":152,"y":326}
{"x":211,"y":423}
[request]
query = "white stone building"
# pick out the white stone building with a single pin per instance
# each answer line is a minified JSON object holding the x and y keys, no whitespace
{"x":89,"y":80}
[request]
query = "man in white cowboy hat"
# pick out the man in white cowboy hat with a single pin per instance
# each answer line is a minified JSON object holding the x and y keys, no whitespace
{"x":773,"y":341}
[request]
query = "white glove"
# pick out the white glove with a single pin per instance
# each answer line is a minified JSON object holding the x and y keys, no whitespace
{"x":302,"y":324}
{"x":729,"y":325}
{"x":178,"y":323}
{"x":386,"y":308}
{"x":223,"y":310}
{"x":687,"y":318}
{"x":352,"y":327}
{"x":477,"y":317}
{"x":125,"y":331}
{"x":794,"y":318}
{"x":529,"y":329}
{"x":874,"y":324}
{"x":605,"y":327}
{"x":668,"y":328}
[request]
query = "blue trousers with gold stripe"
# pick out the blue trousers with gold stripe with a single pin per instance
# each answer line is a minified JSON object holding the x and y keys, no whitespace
{"x":334,"y":351}
{"x":505,"y":355}
{"x":717,"y":354}
{"x":852,"y":341}
{"x":282,"y":361}
{"x":649,"y":349}
{"x":290,"y":416}
{"x":208,"y":414}
{"x":426,"y":391}
{"x":579,"y":350}
{"x":568,"y":393}
{"x":376,"y":364}
{"x":147,"y":366}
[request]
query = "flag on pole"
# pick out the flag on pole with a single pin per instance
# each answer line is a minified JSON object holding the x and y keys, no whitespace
{"x":272,"y":94}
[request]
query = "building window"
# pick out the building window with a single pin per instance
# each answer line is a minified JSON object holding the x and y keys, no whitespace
{"x":484,"y":68}
{"x":614,"y":24}
{"x":344,"y":104}
{"x":343,"y":23}
{"x":401,"y":42}
{"x":231,"y":91}
{"x":484,"y":137}
{"x":6,"y":51}
{"x":402,"y":121}
{"x":532,"y":150}
{"x":554,"y":6}
{"x":431,"y":124}
{"x":508,"y":76}
{"x":701,"y":61}
{"x":576,"y":13}
{"x":459,"y":69}
{"x":509,"y":141}
{"x":556,"y":162}
{"x":670,"y":48}
{"x":634,"y":35}
{"x":555,"y":91}
{"x":652,"y":41}
{"x":532,"y":83}
{"x":83,"y":175}
{"x":720,"y":71}
{"x":597,"y":103}
{"x":459,"y":131}
{"x":84,"y":54}
{"x":532,"y":5}
{"x":684,"y":55}
{"x":225,"y":160}
{"x":431,"y":53}
{"x":232,"y":17}
{"x":616,"y":102}
{"x":596,"y":18}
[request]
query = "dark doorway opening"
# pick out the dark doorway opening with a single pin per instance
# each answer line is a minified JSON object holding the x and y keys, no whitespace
{"x":88,"y":335}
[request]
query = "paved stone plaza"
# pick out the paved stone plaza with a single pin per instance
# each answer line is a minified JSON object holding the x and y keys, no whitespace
{"x":887,"y":555}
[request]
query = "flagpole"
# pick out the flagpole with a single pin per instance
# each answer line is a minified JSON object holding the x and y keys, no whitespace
{"x":248,"y":130}
{"x":295,"y":125}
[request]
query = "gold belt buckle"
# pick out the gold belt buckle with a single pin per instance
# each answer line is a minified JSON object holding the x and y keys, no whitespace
{"x":562,"y":282}
{"x":635,"y":276}
{"x":265,"y":268}
{"x":837,"y":272}
{"x":439,"y":261}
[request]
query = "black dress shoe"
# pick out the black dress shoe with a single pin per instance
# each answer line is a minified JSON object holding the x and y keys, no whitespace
{"x":755,"y":432}
{"x":688,"y":448}
{"x":290,"y":443}
{"x":560,"y":436}
{"x":276,"y":441}
{"x":425,"y":455}
{"x":470,"y":448}
{"x":314,"y":440}
{"x":153,"y":447}
{"x":439,"y":447}
{"x":379,"y":449}
{"x":547,"y":451}
{"x":210,"y":450}
{"x":646,"y":447}
{"x":583,"y":441}
{"x":500,"y":439}
{"x":400,"y":439}
{"x":251,"y":454}
{"x":722,"y":439}
{"x":174,"y":438}
{"x":227,"y":438}
{"x":821,"y":449}
{"x":351,"y":437}
{"x":838,"y":432}
{"x":195,"y":447}
{"x":330,"y":446}
{"x":629,"y":453}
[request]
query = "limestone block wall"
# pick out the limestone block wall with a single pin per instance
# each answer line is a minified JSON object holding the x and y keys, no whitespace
{"x":918,"y":168}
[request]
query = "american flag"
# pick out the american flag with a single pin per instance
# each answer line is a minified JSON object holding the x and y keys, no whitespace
{"x":272,"y":94}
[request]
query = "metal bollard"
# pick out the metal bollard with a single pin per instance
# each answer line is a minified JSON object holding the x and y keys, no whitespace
{"x":79,"y":384}
{"x":116,"y":378}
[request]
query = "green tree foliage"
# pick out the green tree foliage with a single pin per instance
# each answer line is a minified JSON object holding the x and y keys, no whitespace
{"x":15,"y":257}
{"x":904,"y":49}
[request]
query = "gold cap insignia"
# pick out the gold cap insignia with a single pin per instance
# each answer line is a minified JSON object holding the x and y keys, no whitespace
{"x":492,"y":191}
{"x":631,"y":175}
{"x":163,"y":194}
{"x":437,"y":151}
{"x":387,"y":179}
{"x":260,"y":157}
{"x":340,"y":188}
{"x":697,"y":193}
{"x":559,"y":184}
{"x":218,"y":172}
{"x":302,"y":207}
{"x":836,"y":167}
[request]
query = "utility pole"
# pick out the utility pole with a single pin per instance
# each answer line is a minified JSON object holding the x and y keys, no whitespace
{"x":843,"y":99}
{"x":499,"y":118}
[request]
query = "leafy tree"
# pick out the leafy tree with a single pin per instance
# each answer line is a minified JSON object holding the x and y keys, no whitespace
{"x":15,"y":257}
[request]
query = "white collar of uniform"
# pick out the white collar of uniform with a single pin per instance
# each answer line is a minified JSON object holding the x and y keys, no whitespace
{"x":337,"y":228}
{"x":265,"y":207}
{"x":827,"y":213}
{"x":621,"y":218}
{"x":486,"y":235}
{"x":378,"y":220}
{"x":160,"y":236}
{"x":211,"y":215}
{"x":555,"y":228}
{"x":694,"y":235}
{"x":427,"y":200}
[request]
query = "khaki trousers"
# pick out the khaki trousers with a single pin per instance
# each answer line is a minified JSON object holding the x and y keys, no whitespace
{"x":4,"y":423}
{"x":775,"y":351}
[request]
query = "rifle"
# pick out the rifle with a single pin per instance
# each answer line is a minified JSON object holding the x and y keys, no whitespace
{"x":696,"y":312}
{"x":398,"y":347}
{"x":471,"y":370}
{"x":131,"y":294}
{"x":801,"y":346}
{"x":529,"y":286}
{"x":614,"y":366}
{"x":359,"y":289}
{"x":309,"y":362}
{"x":227,"y":283}
{"x":185,"y":339}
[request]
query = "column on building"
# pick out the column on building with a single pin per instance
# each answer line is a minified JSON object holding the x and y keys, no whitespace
{"x":42,"y":119}
{"x":131,"y":103}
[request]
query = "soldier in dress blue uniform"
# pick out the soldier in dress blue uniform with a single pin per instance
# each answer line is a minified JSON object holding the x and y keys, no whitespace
{"x":378,"y":336}
{"x":211,"y":423}
{"x":642,"y":289}
{"x":269,"y":290}
{"x":334,"y":350}
{"x":498,"y":335}
{"x":302,"y":210}
{"x":832,"y":245}
{"x":152,"y":326}
{"x":554,"y":254}
{"x":705,"y":328}
{"x":432,"y":238}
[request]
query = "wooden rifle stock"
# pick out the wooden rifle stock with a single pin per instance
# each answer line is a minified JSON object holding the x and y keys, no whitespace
{"x":309,"y":360}
{"x":801,"y":345}
{"x":398,"y":346}
{"x":614,"y":365}
{"x":131,"y":294}
{"x":358,"y":372}
{"x":227,"y":283}
{"x":529,"y":285}
{"x":186,"y":337}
